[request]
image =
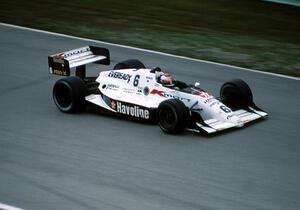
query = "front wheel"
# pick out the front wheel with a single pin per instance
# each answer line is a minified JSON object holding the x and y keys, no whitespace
{"x":173,"y":116}
{"x":69,"y":94}
{"x":236,"y":94}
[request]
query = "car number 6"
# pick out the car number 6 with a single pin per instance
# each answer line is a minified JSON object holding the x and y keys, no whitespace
{"x":136,"y":80}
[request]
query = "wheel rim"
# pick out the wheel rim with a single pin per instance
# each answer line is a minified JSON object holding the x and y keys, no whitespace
{"x":167,"y":118}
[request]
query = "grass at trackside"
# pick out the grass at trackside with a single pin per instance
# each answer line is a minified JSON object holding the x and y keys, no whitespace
{"x":246,"y":33}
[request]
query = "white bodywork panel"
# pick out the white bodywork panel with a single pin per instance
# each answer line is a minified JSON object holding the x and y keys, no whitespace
{"x":139,"y":87}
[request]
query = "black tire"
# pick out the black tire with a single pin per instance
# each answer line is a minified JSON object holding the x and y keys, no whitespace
{"x":69,"y":94}
{"x":130,"y":64}
{"x":173,"y":116}
{"x":236,"y":94}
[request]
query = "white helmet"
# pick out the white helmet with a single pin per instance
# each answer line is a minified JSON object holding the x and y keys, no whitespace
{"x":166,"y":79}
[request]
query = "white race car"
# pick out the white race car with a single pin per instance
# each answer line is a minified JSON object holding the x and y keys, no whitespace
{"x":132,"y":90}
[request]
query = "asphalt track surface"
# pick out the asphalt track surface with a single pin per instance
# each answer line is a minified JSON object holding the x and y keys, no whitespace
{"x":51,"y":160}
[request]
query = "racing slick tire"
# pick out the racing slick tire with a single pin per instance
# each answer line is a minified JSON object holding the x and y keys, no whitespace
{"x":173,"y":116}
{"x":130,"y":64}
{"x":236,"y":94}
{"x":69,"y":94}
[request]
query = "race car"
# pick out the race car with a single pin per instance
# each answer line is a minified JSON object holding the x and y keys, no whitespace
{"x":132,"y":90}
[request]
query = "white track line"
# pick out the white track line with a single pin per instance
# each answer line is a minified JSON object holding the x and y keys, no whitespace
{"x":150,"y":51}
{"x":8,"y":207}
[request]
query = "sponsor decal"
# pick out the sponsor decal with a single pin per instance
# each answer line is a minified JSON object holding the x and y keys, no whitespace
{"x":130,"y":110}
{"x":61,"y":61}
{"x":59,"y":58}
{"x":139,"y":90}
{"x":128,"y":90}
{"x":77,"y":51}
{"x":149,"y":78}
{"x":59,"y":72}
{"x":209,"y":100}
{"x":176,"y":97}
{"x":168,"y":95}
{"x":112,"y":87}
{"x":158,"y":92}
{"x":120,"y":75}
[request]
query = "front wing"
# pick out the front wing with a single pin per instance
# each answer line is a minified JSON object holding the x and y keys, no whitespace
{"x":214,"y":125}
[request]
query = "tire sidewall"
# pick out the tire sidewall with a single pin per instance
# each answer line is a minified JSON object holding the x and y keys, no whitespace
{"x":180,"y":116}
{"x":74,"y":90}
{"x":59,"y":85}
{"x":129,"y":64}
{"x":236,"y":94}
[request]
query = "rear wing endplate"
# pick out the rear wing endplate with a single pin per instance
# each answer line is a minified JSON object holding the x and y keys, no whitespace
{"x":61,"y":63}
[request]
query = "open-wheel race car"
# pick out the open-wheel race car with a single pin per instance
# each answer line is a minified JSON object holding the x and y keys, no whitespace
{"x":132,"y":90}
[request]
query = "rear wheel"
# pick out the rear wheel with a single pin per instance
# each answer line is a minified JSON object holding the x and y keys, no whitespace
{"x":173,"y":116}
{"x":130,"y":64}
{"x":236,"y":94}
{"x":69,"y":94}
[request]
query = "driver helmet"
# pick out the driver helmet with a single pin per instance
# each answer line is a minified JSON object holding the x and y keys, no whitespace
{"x":166,"y":79}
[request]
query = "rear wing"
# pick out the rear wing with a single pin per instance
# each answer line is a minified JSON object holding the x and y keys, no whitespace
{"x":61,"y":63}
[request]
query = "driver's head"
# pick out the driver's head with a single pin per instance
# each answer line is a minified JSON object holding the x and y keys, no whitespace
{"x":166,"y":79}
